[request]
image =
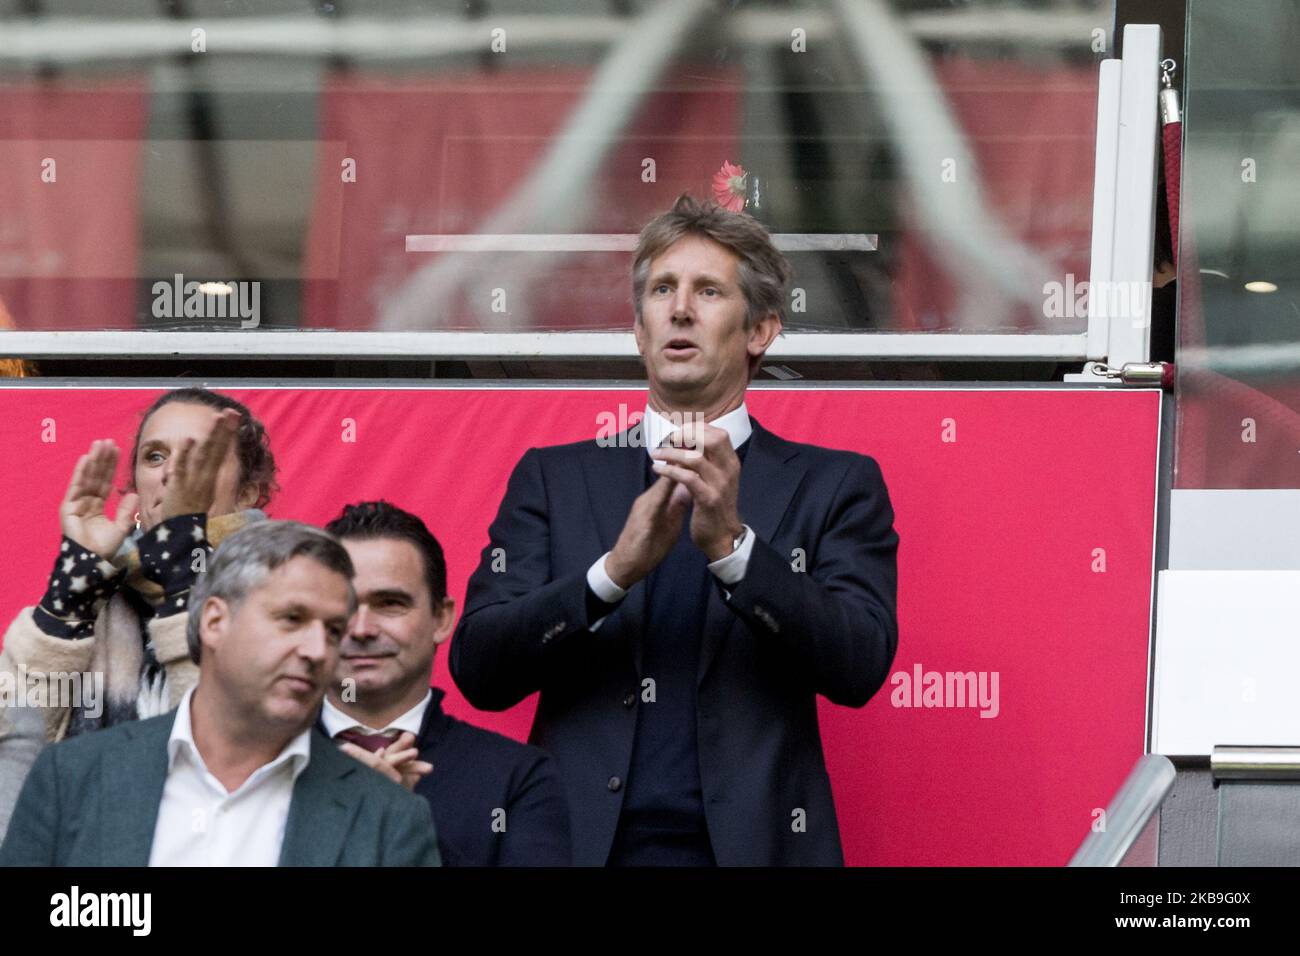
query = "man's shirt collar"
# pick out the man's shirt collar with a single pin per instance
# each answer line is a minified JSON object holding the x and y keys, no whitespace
{"x":336,"y":721}
{"x":658,"y":427}
{"x":297,"y":752}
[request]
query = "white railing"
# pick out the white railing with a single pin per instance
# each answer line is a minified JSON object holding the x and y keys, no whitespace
{"x":1123,"y":220}
{"x":288,"y":343}
{"x":71,"y":40}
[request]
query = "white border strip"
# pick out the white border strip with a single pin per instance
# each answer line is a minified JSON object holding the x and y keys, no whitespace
{"x":622,"y":242}
{"x":345,"y":345}
{"x":1148,"y":723}
{"x":106,"y":38}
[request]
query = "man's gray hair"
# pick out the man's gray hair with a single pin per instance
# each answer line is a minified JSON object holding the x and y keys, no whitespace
{"x":763,"y":272}
{"x":246,"y":559}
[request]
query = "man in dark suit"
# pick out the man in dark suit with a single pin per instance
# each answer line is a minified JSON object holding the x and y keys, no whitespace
{"x":495,"y":801}
{"x":682,"y":591}
{"x":236,"y":776}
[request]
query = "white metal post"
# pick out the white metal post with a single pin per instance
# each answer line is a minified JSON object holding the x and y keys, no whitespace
{"x":1129,"y":292}
{"x":1103,"y":199}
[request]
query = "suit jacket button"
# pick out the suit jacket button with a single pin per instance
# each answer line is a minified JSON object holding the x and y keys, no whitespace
{"x":615,"y":783}
{"x":630,"y":699}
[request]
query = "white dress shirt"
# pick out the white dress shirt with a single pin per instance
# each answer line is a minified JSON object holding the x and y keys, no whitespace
{"x":729,"y":569}
{"x":336,"y":721}
{"x":200,"y":823}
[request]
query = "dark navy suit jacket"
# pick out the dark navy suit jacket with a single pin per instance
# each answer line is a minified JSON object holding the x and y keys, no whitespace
{"x":814,"y":614}
{"x":495,"y":801}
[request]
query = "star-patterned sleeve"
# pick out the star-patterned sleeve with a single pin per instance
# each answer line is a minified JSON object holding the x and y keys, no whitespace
{"x":169,"y":555}
{"x":80,"y":584}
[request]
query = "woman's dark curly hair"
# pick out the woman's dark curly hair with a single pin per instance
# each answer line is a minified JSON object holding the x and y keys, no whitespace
{"x":256,"y":463}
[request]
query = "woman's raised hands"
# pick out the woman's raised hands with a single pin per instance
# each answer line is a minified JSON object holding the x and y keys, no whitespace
{"x":82,"y":514}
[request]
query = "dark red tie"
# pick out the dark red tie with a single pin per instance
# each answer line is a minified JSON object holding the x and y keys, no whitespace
{"x":371,"y":742}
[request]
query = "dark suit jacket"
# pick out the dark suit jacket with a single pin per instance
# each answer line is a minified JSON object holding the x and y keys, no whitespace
{"x":788,"y":632}
{"x":495,"y":801}
{"x":93,"y":800}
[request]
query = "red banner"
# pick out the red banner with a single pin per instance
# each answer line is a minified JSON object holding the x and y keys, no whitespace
{"x":1026,"y":521}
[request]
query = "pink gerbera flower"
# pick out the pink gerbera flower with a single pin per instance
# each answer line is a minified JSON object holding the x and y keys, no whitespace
{"x":729,"y":187}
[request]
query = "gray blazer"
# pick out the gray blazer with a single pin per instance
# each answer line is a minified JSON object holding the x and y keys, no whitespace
{"x":92,"y":800}
{"x":22,"y":735}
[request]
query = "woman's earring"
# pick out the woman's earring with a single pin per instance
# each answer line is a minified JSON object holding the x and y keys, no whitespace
{"x":137,"y":521}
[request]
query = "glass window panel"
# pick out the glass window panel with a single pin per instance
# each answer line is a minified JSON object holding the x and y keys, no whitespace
{"x":1239,"y":250}
{"x":928,"y":164}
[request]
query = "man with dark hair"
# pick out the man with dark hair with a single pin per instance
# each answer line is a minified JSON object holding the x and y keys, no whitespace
{"x":679,"y":612}
{"x":496,"y":802}
{"x":236,"y":776}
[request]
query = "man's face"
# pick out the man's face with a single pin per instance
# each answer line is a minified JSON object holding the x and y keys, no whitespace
{"x":161,"y":439}
{"x":392,"y":637}
{"x":275,"y":654}
{"x":692,"y":331}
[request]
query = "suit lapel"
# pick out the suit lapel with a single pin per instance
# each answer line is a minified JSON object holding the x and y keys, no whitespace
{"x":133,"y":775}
{"x":768,"y":480}
{"x":320,"y":813}
{"x":615,"y":478}
{"x":433,"y":725}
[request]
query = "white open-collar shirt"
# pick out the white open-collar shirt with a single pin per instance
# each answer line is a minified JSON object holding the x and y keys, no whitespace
{"x":200,"y":823}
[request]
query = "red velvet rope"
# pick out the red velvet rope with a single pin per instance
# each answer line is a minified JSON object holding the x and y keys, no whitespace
{"x":1173,"y":136}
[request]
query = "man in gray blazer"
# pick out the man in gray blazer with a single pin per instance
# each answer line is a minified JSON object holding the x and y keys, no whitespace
{"x":22,"y":735}
{"x":237,"y":775}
